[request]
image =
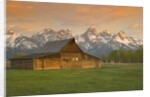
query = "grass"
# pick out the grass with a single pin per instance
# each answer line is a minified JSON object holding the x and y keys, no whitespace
{"x":108,"y":78}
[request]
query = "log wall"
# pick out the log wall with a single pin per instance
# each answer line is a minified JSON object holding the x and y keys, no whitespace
{"x":22,"y":64}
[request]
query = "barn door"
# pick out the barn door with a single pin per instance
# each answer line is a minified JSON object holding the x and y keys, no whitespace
{"x":75,"y":63}
{"x":65,"y":64}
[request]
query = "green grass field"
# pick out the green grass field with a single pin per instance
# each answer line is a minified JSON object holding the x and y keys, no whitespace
{"x":108,"y":78}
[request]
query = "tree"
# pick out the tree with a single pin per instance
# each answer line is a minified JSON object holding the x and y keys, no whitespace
{"x":126,"y":56}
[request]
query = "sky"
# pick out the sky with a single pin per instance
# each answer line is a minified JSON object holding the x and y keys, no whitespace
{"x":32,"y":17}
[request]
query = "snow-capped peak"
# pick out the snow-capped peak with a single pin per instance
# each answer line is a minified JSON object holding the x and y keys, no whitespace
{"x":15,"y":40}
{"x":122,"y":35}
{"x":52,"y":35}
{"x":11,"y":36}
{"x":106,"y":32}
{"x":93,"y":41}
{"x":93,"y":29}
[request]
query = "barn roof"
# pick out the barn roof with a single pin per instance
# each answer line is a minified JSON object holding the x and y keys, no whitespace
{"x":33,"y":56}
{"x":51,"y":48}
{"x":26,"y":56}
{"x":54,"y":46}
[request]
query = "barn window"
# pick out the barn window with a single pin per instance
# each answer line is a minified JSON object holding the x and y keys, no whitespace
{"x":73,"y":59}
{"x":77,"y":59}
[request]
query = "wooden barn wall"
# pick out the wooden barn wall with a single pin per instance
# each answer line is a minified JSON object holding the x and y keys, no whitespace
{"x":51,"y":63}
{"x":46,"y":63}
{"x":22,"y":64}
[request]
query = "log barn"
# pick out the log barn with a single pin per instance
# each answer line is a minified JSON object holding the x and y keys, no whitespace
{"x":62,"y":54}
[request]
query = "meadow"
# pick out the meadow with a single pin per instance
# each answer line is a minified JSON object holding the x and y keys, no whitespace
{"x":111,"y":77}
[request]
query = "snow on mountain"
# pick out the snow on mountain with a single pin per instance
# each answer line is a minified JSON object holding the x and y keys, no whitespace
{"x":99,"y":43}
{"x":24,"y":42}
{"x":93,"y":41}
{"x":15,"y":40}
{"x":19,"y":43}
{"x":51,"y":35}
{"x":121,"y":38}
{"x":94,"y":37}
{"x":10,"y":38}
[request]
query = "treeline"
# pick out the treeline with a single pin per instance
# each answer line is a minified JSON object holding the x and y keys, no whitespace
{"x":125,"y":56}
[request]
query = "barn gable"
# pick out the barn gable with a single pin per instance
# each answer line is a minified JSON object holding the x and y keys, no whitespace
{"x":71,"y":47}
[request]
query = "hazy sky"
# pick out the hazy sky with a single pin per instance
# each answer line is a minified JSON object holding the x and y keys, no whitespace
{"x":31,"y":17}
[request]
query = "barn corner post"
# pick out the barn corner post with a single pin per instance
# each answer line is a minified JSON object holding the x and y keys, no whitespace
{"x":35,"y":64}
{"x":98,"y":63}
{"x":42,"y":59}
{"x":60,"y":62}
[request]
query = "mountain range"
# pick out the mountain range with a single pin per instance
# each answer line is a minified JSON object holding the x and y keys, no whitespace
{"x":93,"y":41}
